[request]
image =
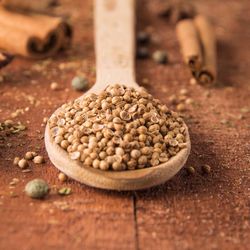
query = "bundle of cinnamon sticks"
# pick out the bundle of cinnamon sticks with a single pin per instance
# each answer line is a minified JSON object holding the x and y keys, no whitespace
{"x":26,"y":31}
{"x":198,"y":45}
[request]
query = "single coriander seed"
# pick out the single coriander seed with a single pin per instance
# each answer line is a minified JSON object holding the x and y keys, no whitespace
{"x":16,"y":160}
{"x":135,"y":153}
{"x":38,"y":159}
{"x":206,"y":169}
{"x":54,"y":86}
{"x":191,"y":170}
{"x":29,"y":155}
{"x":23,"y":164}
{"x":62,"y":177}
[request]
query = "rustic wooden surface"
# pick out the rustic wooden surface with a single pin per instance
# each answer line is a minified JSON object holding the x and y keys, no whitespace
{"x":189,"y":212}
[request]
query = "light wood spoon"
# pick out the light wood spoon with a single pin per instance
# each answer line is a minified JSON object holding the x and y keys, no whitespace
{"x":114,"y":43}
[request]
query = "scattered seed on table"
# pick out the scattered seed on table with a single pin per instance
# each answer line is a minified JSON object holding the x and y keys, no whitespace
{"x":160,"y":57}
{"x":38,"y":159}
{"x":54,"y":86}
{"x":16,"y":160}
{"x":30,"y":155}
{"x":181,"y":107}
{"x":143,"y":37}
{"x":193,"y":81}
{"x":45,"y":119}
{"x":142,"y":53}
{"x":183,"y":91}
{"x":37,"y":188}
{"x":206,"y":169}
{"x":189,"y":101}
{"x":62,"y":177}
{"x":23,"y":164}
{"x":173,"y":99}
{"x":79,"y":83}
{"x":64,"y":191}
{"x":191,"y":170}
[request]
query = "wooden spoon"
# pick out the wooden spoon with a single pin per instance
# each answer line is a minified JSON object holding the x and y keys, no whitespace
{"x":114,"y":43}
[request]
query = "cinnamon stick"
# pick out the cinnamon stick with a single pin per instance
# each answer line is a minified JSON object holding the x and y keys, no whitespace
{"x":208,"y":73}
{"x":5,"y":59}
{"x":190,"y":44}
{"x":39,"y":6}
{"x":34,"y":35}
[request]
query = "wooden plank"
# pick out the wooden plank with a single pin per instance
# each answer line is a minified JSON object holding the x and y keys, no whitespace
{"x":189,"y":212}
{"x":203,"y":211}
{"x":86,"y":219}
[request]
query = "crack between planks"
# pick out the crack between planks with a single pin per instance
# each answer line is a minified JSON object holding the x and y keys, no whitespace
{"x":135,"y":222}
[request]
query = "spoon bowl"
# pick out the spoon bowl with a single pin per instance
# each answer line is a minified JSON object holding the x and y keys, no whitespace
{"x":114,"y":25}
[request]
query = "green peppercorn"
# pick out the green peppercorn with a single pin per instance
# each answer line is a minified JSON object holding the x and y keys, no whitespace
{"x":191,"y":170}
{"x":79,"y":83}
{"x":37,"y":188}
{"x":142,"y":53}
{"x":160,"y":57}
{"x":206,"y":169}
{"x":143,"y":37}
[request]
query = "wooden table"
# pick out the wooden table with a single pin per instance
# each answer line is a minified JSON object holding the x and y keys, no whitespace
{"x":189,"y":212}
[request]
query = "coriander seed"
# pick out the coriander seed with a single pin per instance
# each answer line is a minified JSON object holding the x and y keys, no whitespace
{"x":117,"y":166}
{"x":181,"y":107}
{"x":54,"y":86}
{"x":96,"y":163}
{"x":16,"y":160}
{"x":29,"y":155}
{"x":38,"y":159}
{"x":142,"y":160}
{"x":104,"y":165}
{"x":206,"y":169}
{"x":191,"y":170}
{"x":62,"y":177}
{"x":135,"y":153}
{"x":23,"y":164}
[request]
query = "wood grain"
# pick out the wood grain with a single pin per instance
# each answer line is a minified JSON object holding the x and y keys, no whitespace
{"x":191,"y":212}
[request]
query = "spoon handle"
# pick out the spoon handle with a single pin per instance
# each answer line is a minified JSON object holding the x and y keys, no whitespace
{"x":114,"y":42}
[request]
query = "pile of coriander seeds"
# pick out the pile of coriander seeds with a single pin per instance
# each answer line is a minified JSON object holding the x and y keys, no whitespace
{"x":119,"y":129}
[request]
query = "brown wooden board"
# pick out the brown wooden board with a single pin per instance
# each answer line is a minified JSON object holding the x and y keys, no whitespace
{"x":189,"y":212}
